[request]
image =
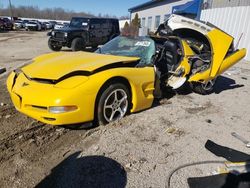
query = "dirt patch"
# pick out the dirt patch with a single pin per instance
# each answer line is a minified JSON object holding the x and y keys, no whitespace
{"x":11,"y":38}
{"x":199,"y":109}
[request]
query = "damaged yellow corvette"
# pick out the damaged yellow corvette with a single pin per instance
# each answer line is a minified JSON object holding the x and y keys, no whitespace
{"x":123,"y":75}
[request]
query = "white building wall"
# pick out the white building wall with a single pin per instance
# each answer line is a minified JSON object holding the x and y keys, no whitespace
{"x":122,"y":23}
{"x":157,"y":11}
{"x":233,"y":20}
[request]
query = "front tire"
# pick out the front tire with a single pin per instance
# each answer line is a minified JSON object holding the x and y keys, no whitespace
{"x":54,"y":46}
{"x":113,"y":103}
{"x":203,"y":88}
{"x":78,"y":44}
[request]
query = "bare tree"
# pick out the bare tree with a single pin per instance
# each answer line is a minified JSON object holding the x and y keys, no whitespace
{"x":48,"y":13}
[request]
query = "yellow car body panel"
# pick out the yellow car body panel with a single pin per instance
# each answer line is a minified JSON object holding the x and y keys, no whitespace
{"x":226,"y":64}
{"x":45,"y":66}
{"x":34,"y":98}
{"x":184,"y":63}
{"x":220,"y":43}
{"x":220,"y":62}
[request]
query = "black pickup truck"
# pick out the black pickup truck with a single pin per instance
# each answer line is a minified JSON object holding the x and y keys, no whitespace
{"x":84,"y":32}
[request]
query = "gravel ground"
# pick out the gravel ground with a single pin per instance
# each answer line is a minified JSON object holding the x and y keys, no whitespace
{"x":138,"y":151}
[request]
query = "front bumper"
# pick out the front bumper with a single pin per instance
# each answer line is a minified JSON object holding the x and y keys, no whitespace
{"x":34,"y":28}
{"x":60,"y":41}
{"x":34,"y":99}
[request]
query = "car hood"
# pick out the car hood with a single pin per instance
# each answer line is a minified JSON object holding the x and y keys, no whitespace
{"x":54,"y":66}
{"x":69,"y":29}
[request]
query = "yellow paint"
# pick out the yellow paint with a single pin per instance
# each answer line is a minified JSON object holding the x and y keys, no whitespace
{"x":83,"y":95}
{"x":55,"y":65}
{"x":184,"y":63}
{"x":220,"y":45}
{"x":226,"y":64}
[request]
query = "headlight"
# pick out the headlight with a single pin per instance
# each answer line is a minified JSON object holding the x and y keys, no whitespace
{"x":65,"y":34}
{"x":61,"y":109}
{"x":53,"y":33}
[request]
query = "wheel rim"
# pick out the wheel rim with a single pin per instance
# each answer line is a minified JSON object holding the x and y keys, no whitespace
{"x":208,"y":85}
{"x":115,"y":105}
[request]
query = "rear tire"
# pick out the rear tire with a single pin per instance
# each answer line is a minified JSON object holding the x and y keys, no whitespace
{"x":53,"y":46}
{"x":113,"y":104}
{"x":78,"y":44}
{"x":203,"y":88}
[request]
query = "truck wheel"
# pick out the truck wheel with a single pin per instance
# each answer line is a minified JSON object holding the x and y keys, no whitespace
{"x":54,"y":46}
{"x":78,"y":44}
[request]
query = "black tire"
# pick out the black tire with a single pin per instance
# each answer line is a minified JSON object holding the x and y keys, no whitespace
{"x":78,"y":44}
{"x":201,"y":88}
{"x":106,"y":97}
{"x":54,"y":46}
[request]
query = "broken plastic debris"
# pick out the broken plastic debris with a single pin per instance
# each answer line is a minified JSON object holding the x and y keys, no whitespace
{"x":7,"y":116}
{"x":234,"y":168}
{"x":2,"y":70}
{"x":170,"y":130}
{"x":2,"y":104}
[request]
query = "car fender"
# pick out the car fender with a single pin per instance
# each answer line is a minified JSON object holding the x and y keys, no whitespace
{"x":141,"y":81}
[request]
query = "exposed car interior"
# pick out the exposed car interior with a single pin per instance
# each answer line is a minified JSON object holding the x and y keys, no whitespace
{"x":200,"y":45}
{"x":168,"y":55}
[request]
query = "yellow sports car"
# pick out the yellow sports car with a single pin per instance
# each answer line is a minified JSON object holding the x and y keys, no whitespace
{"x":122,"y":76}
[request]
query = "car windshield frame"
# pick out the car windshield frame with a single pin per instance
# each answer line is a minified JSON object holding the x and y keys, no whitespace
{"x":78,"y":22}
{"x":141,"y":47}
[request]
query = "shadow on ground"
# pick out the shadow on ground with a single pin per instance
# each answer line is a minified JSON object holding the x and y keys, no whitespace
{"x":224,"y":83}
{"x":87,"y":172}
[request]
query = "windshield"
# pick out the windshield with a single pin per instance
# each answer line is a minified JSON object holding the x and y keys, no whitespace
{"x":79,"y":22}
{"x":141,"y":47}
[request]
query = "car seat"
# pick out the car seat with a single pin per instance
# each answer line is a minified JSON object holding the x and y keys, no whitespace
{"x":171,"y":55}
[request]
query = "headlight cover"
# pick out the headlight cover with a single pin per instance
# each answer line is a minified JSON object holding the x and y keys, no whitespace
{"x":61,"y":109}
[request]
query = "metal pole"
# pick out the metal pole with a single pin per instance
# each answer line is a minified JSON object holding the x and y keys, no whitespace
{"x":11,"y":13}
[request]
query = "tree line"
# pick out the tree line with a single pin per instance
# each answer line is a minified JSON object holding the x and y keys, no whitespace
{"x":47,"y":13}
